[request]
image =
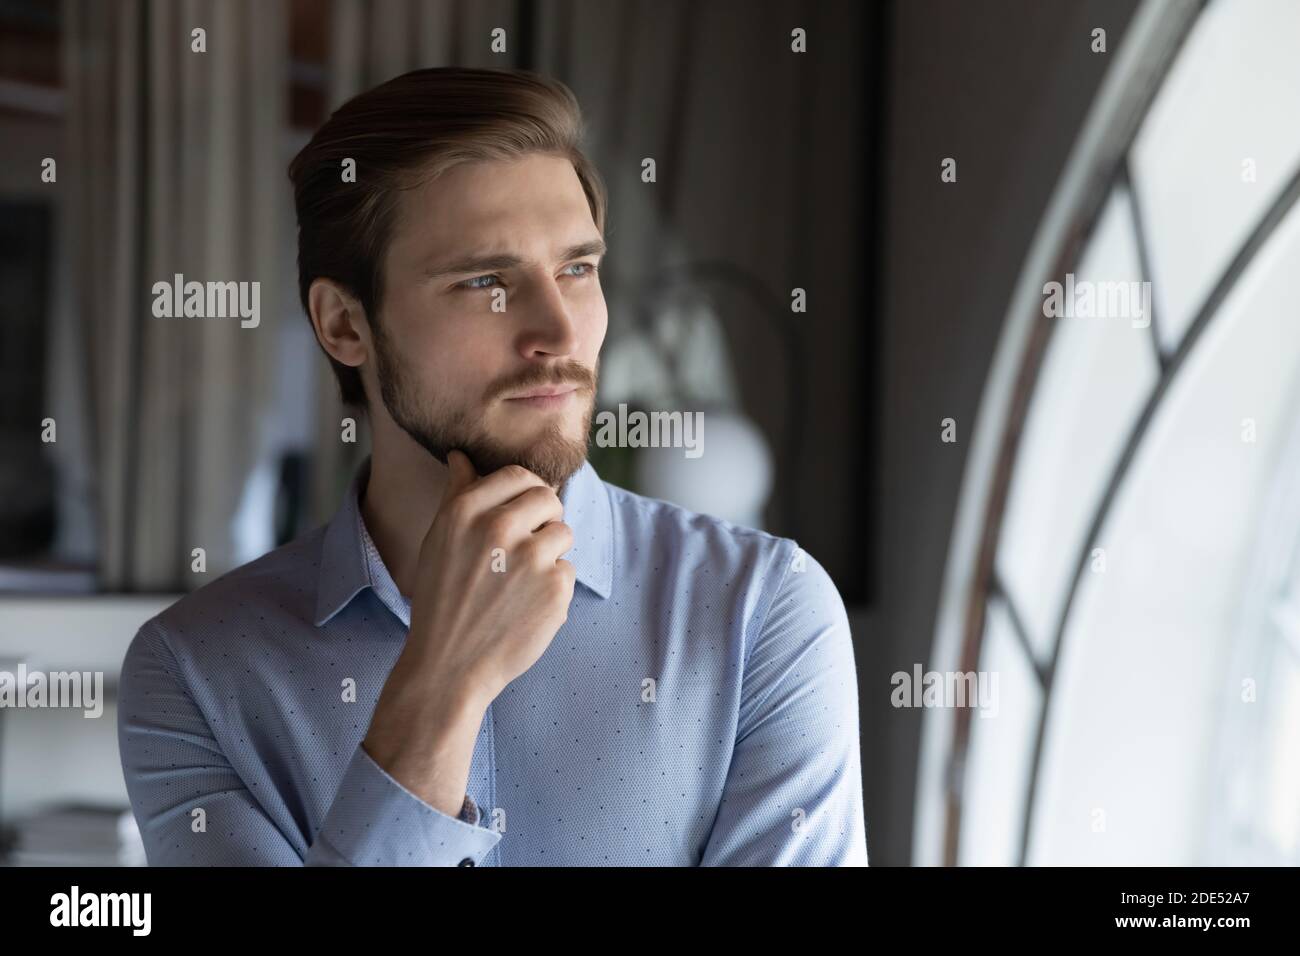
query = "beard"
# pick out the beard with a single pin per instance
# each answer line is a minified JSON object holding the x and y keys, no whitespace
{"x":440,"y":425}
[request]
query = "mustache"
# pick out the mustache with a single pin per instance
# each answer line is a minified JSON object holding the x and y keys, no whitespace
{"x":563,"y":373}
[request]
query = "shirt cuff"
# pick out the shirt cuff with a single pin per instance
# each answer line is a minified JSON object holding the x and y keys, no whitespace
{"x":375,"y":821}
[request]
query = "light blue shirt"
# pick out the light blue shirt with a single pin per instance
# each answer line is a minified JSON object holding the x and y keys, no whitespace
{"x":698,"y":707}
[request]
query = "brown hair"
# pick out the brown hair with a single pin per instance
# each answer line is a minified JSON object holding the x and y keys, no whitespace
{"x":403,"y":133}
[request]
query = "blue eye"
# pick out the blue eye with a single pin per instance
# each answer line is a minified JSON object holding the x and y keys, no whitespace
{"x":589,"y":266}
{"x":470,"y":283}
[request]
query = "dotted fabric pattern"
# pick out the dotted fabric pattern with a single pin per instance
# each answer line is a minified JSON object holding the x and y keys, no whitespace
{"x":698,"y":707}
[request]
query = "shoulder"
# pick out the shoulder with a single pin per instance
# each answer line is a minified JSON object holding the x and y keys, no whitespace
{"x":280,"y":585}
{"x":788,"y":580}
{"x":693,"y":534}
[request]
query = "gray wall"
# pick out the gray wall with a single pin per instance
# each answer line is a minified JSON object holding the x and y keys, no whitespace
{"x":1002,"y":87}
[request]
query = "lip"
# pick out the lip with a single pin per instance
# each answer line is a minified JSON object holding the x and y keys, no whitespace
{"x":547,"y":396}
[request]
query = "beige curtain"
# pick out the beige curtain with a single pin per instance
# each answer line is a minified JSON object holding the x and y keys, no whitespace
{"x":172,"y":165}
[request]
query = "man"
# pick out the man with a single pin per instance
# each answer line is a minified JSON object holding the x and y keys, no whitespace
{"x":489,"y":656}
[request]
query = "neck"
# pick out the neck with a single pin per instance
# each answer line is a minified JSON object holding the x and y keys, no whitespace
{"x":400,"y":500}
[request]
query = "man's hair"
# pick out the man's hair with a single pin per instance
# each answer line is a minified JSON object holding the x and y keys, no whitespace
{"x":401,"y":134}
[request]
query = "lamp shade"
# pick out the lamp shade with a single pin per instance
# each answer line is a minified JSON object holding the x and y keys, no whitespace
{"x":731,"y":478}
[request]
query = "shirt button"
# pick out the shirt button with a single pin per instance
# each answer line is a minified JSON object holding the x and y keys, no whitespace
{"x":466,"y":862}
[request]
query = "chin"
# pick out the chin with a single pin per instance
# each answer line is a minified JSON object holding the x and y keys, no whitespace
{"x":553,"y":455}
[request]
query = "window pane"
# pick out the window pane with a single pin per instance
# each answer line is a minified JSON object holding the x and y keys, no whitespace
{"x":1230,"y":101}
{"x":1096,"y":375}
{"x":1279,"y":823}
{"x":1139,"y":692}
{"x":997,"y":765}
{"x":1256,"y":820}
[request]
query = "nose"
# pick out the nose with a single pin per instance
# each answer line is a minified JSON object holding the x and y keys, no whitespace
{"x":547,"y":327}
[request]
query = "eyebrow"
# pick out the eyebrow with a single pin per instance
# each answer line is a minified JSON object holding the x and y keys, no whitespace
{"x":491,"y":263}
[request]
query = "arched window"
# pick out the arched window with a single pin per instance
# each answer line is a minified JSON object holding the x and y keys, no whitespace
{"x":1127,"y":552}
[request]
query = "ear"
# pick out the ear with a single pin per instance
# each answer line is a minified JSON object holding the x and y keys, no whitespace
{"x":340,"y":322}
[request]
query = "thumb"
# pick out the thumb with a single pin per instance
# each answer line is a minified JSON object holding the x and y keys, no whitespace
{"x":460,"y":475}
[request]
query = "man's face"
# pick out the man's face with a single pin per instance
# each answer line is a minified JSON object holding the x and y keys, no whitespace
{"x":506,"y":387}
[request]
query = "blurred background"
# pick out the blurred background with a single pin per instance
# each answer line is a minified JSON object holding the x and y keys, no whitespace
{"x":1102,"y":513}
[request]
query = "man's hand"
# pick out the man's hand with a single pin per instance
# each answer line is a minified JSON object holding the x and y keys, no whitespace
{"x":491,"y":592}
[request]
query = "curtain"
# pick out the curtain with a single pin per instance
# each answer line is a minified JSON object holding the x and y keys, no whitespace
{"x":172,"y":166}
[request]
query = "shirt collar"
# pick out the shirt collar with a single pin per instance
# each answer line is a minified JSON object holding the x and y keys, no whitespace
{"x":346,"y":567}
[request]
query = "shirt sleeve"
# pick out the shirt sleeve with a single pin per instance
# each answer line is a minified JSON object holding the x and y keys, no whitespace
{"x":174,"y":766}
{"x":793,"y":792}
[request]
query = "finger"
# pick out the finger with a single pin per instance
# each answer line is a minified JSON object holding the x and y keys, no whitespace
{"x":554,"y":539}
{"x":568,"y":570}
{"x":460,"y":475}
{"x":499,"y":487}
{"x":533,"y":508}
